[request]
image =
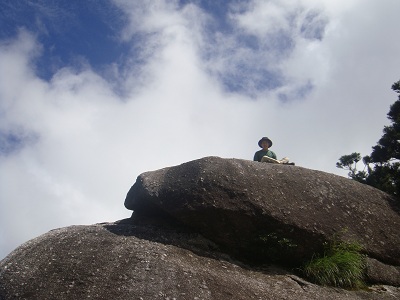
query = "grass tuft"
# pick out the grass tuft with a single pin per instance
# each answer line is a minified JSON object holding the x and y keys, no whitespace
{"x":342,"y":265}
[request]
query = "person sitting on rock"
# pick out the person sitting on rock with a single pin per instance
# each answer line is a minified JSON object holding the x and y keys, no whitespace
{"x":265,"y":143}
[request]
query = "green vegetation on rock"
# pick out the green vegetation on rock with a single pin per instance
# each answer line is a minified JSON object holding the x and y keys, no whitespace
{"x":342,"y":265}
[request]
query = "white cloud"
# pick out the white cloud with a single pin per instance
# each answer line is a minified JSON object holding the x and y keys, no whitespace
{"x":263,"y":17}
{"x":85,"y":144}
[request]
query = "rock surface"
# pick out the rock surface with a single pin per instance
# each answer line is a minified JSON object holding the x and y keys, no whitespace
{"x":293,"y":210}
{"x":214,"y":229}
{"x":127,"y":261}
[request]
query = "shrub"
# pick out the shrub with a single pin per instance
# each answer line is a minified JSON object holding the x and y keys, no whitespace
{"x":342,"y":265}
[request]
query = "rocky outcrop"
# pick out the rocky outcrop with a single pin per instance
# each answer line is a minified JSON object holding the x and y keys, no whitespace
{"x":215,"y":229}
{"x":128,"y":261}
{"x":293,"y":210}
{"x":378,"y":272}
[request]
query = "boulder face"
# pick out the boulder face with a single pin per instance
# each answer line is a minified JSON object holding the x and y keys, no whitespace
{"x":270,"y":212}
{"x":129,"y":261}
{"x":215,"y":228}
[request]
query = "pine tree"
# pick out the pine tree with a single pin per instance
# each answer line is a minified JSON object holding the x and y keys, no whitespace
{"x":382,"y":167}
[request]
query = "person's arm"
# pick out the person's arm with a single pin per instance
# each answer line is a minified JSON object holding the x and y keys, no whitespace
{"x":256,"y":158}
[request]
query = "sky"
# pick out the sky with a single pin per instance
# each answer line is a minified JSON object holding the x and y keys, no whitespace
{"x":94,"y":93}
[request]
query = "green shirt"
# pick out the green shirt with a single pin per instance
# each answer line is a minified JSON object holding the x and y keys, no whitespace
{"x":259,"y":154}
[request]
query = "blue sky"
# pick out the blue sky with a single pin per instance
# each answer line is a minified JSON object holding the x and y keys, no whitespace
{"x":93,"y":93}
{"x":69,"y":32}
{"x":76,"y":33}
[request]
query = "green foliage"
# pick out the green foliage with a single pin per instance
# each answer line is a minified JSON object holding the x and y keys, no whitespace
{"x":279,"y":242}
{"x":342,"y":265}
{"x":349,"y":162}
{"x":273,"y":247}
{"x":382,"y":167}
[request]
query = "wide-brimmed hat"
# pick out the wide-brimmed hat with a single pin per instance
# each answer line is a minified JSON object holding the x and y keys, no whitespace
{"x":265,"y":139}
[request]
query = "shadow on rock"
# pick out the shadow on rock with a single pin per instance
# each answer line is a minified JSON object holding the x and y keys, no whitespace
{"x":167,"y":231}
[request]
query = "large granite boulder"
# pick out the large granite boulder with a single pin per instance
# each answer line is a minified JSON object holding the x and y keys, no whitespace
{"x":269,"y":212}
{"x":127,"y":261}
{"x":215,"y":229}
